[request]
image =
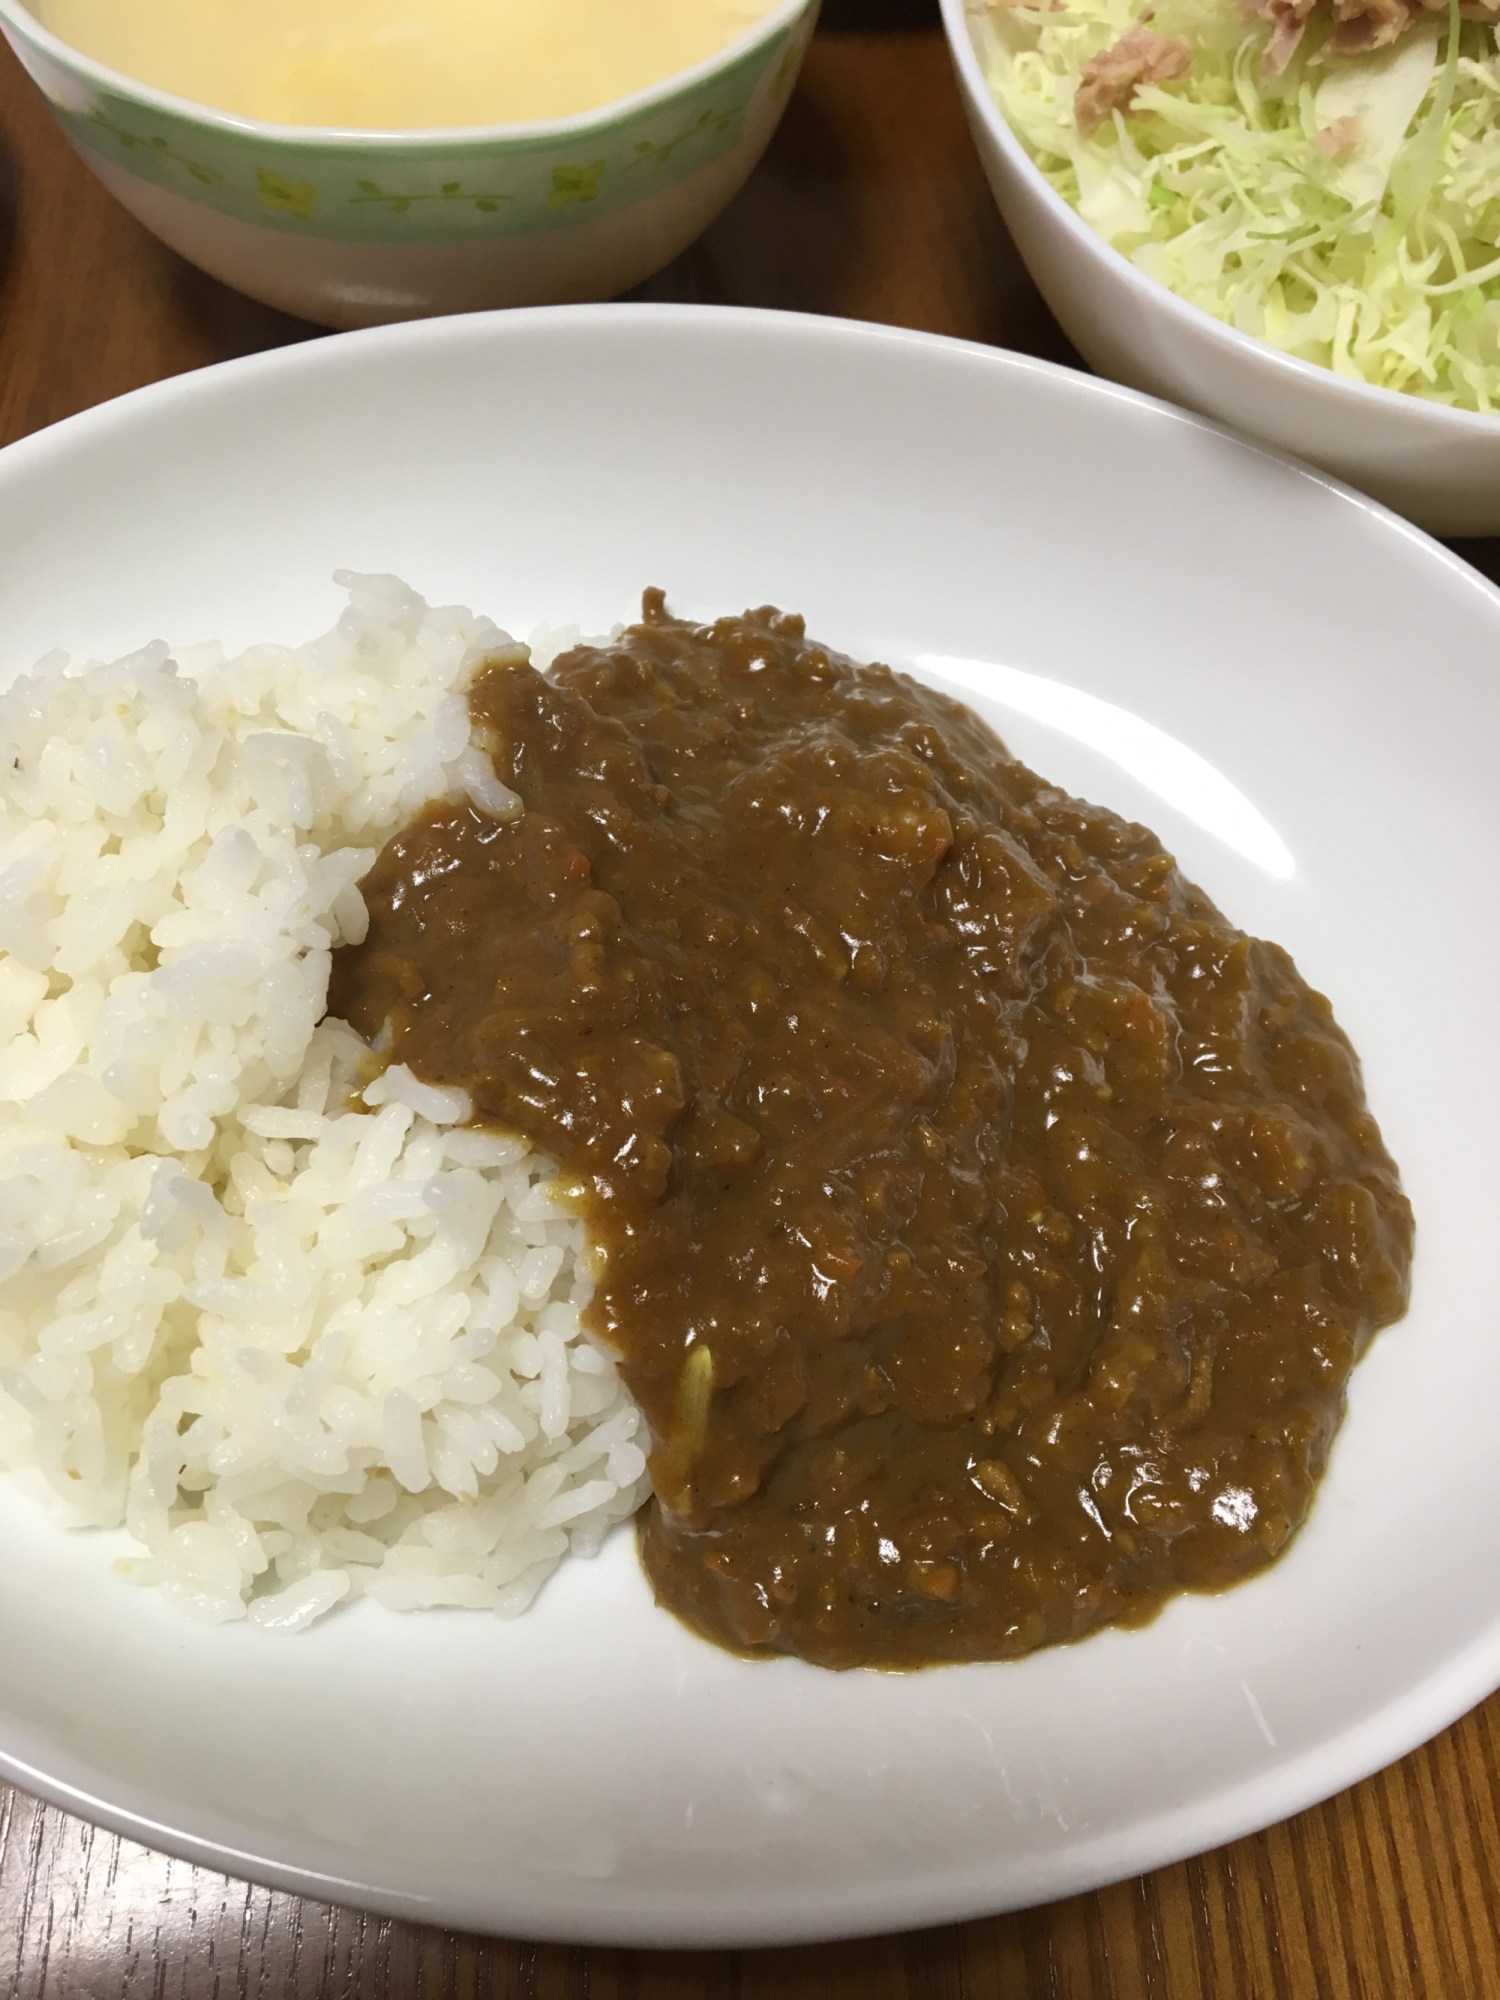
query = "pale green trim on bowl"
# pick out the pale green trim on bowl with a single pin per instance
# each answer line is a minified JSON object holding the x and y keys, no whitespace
{"x":441,"y":190}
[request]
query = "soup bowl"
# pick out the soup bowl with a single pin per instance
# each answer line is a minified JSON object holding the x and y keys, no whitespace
{"x":1439,"y":466}
{"x":351,"y":228}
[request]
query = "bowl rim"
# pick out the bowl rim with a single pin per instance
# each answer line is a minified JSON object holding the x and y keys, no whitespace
{"x":17,"y":21}
{"x":1370,"y":397}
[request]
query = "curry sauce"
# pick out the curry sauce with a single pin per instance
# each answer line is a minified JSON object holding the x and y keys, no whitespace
{"x":986,"y":1226}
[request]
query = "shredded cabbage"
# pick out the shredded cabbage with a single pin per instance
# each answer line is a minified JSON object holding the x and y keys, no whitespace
{"x":1382,"y":262}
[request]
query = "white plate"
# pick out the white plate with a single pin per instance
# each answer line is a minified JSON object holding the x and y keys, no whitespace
{"x":1313,"y":687}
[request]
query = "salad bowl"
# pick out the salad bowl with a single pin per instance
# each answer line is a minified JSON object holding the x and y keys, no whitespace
{"x":1437,"y":465}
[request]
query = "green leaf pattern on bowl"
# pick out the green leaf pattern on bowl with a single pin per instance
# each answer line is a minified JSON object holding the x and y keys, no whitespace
{"x":284,"y":197}
{"x":575,"y":184}
{"x":486,"y":201}
{"x":161,"y":146}
{"x":448,"y":187}
{"x":649,"y":154}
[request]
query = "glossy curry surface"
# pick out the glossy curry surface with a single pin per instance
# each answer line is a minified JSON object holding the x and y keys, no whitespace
{"x":986,"y":1226}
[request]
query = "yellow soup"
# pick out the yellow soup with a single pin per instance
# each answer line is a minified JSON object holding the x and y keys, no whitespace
{"x":399,"y":64}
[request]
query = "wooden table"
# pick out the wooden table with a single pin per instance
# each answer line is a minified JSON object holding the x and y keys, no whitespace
{"x":870,"y":204}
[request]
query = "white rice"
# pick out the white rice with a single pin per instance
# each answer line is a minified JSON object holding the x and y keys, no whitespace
{"x":301,"y":1352}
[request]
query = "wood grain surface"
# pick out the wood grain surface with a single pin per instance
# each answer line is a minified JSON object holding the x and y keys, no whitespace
{"x":870,"y":204}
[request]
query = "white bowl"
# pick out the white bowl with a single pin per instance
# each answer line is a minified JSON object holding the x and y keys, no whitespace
{"x":1439,"y":466}
{"x":352,"y":228}
{"x":1087,"y":568}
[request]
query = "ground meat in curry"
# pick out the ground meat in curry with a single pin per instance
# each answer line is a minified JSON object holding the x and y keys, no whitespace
{"x":986,"y":1226}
